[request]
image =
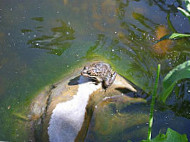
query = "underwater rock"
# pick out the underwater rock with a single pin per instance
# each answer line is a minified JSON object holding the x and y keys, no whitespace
{"x":65,"y":110}
{"x":118,"y":118}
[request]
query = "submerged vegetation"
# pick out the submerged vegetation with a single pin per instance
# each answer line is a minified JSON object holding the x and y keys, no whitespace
{"x":176,"y":35}
{"x":182,"y":71}
{"x":153,"y":102}
{"x":171,"y":135}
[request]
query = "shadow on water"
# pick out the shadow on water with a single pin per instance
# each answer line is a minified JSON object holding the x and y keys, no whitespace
{"x":58,"y":42}
{"x":123,"y":90}
{"x":74,"y":81}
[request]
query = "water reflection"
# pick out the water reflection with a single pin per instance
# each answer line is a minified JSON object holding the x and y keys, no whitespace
{"x":58,"y":42}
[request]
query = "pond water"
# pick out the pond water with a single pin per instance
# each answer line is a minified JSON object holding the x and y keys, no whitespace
{"x":43,"y":41}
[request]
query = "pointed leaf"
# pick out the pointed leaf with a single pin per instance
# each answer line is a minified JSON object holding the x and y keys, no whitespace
{"x":180,"y":72}
{"x":170,"y":136}
{"x":173,"y":36}
{"x":187,"y":2}
{"x":184,"y":12}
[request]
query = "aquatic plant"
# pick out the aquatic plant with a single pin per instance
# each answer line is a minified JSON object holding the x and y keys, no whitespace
{"x":185,"y":12}
{"x":176,"y":35}
{"x":153,"y":102}
{"x":170,"y":135}
{"x":182,"y":71}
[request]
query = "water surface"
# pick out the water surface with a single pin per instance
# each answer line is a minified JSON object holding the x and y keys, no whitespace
{"x":43,"y":41}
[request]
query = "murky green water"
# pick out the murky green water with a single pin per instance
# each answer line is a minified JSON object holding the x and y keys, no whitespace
{"x":42,"y":41}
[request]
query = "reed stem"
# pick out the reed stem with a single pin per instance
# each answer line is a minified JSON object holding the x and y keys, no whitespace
{"x":152,"y":103}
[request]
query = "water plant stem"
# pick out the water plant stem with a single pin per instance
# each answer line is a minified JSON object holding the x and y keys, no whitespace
{"x":152,"y":103}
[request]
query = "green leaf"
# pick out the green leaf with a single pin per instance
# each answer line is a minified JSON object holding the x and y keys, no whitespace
{"x":187,"y":2}
{"x":170,"y":136}
{"x":178,"y":35}
{"x":173,"y":36}
{"x":180,"y":72}
{"x":184,"y":12}
{"x":153,"y":102}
